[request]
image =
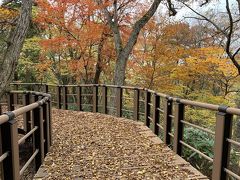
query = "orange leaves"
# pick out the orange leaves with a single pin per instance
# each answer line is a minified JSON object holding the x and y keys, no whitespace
{"x":43,"y":66}
{"x":73,"y":19}
{"x":57,"y":44}
{"x":74,"y":30}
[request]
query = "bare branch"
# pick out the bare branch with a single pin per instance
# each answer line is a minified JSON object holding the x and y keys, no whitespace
{"x":172,"y":10}
{"x":124,"y":4}
{"x":229,"y":25}
{"x":229,"y":35}
{"x":236,"y":52}
{"x":207,"y":1}
{"x":192,"y":17}
{"x":206,"y":19}
{"x":227,"y":32}
{"x":139,"y":25}
{"x":6,"y":2}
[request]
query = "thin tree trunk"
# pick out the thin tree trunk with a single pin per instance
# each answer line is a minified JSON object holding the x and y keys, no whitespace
{"x":123,"y":55}
{"x":15,"y":43}
{"x":98,"y":69}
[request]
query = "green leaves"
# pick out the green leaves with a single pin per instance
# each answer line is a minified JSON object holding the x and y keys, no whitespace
{"x":203,"y":142}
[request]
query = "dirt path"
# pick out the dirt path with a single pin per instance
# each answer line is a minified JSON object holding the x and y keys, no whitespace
{"x":96,"y":146}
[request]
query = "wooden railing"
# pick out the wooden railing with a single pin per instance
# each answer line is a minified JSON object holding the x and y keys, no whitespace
{"x":33,"y":110}
{"x":165,"y":115}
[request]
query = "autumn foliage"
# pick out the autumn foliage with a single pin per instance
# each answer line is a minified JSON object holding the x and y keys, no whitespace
{"x":76,"y":45}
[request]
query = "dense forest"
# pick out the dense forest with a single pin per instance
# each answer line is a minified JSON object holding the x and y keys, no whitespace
{"x":148,"y":43}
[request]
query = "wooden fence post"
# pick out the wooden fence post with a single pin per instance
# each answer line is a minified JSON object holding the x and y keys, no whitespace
{"x":58,"y":93}
{"x":222,"y":147}
{"x":147,"y":108}
{"x":95,"y":98}
{"x":156,"y":105}
{"x":167,"y":120}
{"x":10,"y":144}
{"x":1,"y":153}
{"x":136,"y":105}
{"x":10,"y":102}
{"x":15,"y":95}
{"x":27,"y":115}
{"x":46,"y":128}
{"x":45,"y":88}
{"x":178,"y":126}
{"x":49,"y":114}
{"x":65,"y":97}
{"x":38,"y":136}
{"x":119,"y":101}
{"x":104,"y":99}
{"x":79,"y":98}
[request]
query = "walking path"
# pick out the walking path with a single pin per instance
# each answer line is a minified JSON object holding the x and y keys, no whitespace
{"x":97,"y":146}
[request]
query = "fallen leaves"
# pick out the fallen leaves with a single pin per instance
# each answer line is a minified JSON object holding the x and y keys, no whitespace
{"x":96,"y":146}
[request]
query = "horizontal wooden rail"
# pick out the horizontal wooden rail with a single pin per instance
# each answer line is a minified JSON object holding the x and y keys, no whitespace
{"x":232,"y":174}
{"x":197,"y":151}
{"x":198,"y":127}
{"x":29,"y":161}
{"x":234,"y":142}
{"x":20,"y":141}
{"x":4,"y":156}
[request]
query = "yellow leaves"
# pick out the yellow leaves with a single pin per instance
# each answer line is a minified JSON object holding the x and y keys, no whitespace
{"x":212,"y":51}
{"x":209,"y":61}
{"x":7,"y":15}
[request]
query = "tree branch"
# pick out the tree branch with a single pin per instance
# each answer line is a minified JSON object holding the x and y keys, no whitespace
{"x":236,"y":52}
{"x":229,"y":35}
{"x":139,"y":25}
{"x":172,"y":10}
{"x":207,"y":1}
{"x":191,"y":17}
{"x":113,"y":23}
{"x":206,"y":19}
{"x":227,"y":32}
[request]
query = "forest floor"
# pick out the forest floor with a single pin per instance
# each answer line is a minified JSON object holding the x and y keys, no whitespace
{"x":97,"y":146}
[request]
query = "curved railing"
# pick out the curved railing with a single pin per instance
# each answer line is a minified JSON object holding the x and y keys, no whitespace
{"x":165,"y":115}
{"x":31,"y":110}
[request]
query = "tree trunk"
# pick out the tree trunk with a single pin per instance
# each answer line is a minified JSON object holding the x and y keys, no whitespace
{"x":98,"y":69}
{"x":120,"y":70}
{"x":15,"y":43}
{"x":123,"y":55}
{"x":123,"y":52}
